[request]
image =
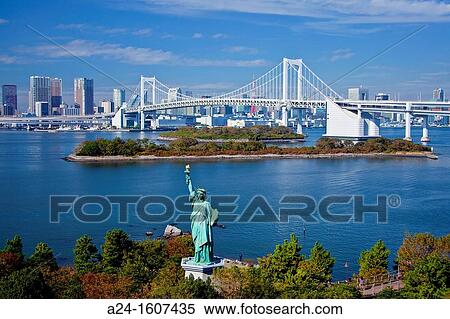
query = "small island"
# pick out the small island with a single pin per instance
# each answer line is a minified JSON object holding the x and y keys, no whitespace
{"x":244,"y":134}
{"x":102,"y":150}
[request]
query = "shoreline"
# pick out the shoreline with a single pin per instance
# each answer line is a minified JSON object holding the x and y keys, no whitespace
{"x":147,"y":158}
{"x":200,"y":140}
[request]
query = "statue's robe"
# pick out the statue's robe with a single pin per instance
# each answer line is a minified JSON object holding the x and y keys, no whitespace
{"x":203,"y":218}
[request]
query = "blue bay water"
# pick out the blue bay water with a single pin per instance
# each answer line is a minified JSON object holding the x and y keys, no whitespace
{"x":32,"y":169}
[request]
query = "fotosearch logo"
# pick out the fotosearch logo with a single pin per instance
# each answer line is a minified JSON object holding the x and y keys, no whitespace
{"x":231,"y":208}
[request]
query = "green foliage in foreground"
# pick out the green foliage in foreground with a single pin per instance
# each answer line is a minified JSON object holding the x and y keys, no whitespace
{"x":151,"y":269}
{"x":253,"y":133}
{"x":190,"y":146}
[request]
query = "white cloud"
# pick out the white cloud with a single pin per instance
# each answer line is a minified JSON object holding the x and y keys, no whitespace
{"x":5,"y":59}
{"x":241,"y":49}
{"x":345,"y":11}
{"x":83,"y":27}
{"x":341,"y":54}
{"x":133,"y":55}
{"x":3,"y":21}
{"x":143,"y":32}
{"x":197,"y":35}
{"x":72,"y":26}
{"x":219,"y":36}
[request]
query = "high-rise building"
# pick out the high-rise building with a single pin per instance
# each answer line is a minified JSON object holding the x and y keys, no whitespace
{"x":382,"y":97}
{"x":39,"y":91}
{"x":118,"y":98}
{"x":190,"y":110}
{"x":83,"y":92}
{"x":358,"y":94}
{"x":107,"y":106}
{"x":41,"y":109}
{"x":438,"y":95}
{"x":174,"y":94}
{"x":9,"y":100}
{"x":55,"y":95}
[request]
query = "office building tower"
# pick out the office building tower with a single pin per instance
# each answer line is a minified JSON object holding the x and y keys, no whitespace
{"x":118,"y":98}
{"x":382,"y":97}
{"x":9,"y":100}
{"x":106,"y":106}
{"x":438,"y":95}
{"x":41,"y":109}
{"x":39,"y":91}
{"x":358,"y":94}
{"x":55,"y":95}
{"x":84,"y":95}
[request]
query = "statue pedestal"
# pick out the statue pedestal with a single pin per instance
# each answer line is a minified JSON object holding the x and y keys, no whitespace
{"x":202,"y":272}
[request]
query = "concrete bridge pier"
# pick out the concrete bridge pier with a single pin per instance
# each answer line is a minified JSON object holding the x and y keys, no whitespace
{"x":141,"y":116}
{"x":425,"y":137}
{"x":284,"y":116}
{"x":299,"y":127}
{"x":408,"y":122}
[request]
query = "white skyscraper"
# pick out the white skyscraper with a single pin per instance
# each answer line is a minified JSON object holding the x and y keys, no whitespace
{"x":118,"y":98}
{"x":39,"y":91}
{"x":358,"y":94}
{"x":174,"y":94}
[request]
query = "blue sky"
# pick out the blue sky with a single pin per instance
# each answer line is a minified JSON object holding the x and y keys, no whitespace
{"x":215,"y":46}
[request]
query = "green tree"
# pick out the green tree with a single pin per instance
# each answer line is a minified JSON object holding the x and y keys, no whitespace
{"x":144,"y":261}
{"x":86,"y":255}
{"x":340,"y":291}
{"x":116,"y":246}
{"x":374,"y":261}
{"x":283,"y":262}
{"x":171,"y":283}
{"x":23,"y":284}
{"x":15,"y":246}
{"x":430,"y":277}
{"x":321,"y":263}
{"x":43,"y":257}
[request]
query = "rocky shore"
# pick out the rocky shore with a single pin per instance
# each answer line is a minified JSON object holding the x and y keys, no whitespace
{"x":143,"y":158}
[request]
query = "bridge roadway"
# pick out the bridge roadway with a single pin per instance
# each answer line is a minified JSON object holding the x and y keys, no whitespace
{"x":416,"y":107}
{"x":228,"y":101}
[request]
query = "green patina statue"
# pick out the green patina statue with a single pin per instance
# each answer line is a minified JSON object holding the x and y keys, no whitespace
{"x":203,"y":218}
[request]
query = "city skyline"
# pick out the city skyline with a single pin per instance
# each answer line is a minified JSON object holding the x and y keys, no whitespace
{"x":206,"y":49}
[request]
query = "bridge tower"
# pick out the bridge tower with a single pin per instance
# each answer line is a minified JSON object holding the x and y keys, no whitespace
{"x":408,"y":122}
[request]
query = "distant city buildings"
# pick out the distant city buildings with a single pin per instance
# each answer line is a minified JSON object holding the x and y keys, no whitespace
{"x":438,"y":95}
{"x":106,"y":107}
{"x":358,"y":94}
{"x":41,"y":109}
{"x":70,"y":110}
{"x":39,"y":91}
{"x":382,"y":97}
{"x":55,"y":95}
{"x":84,"y":95}
{"x":9,"y":100}
{"x":118,"y":98}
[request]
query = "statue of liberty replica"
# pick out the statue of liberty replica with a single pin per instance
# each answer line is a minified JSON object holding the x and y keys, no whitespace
{"x":203,"y":218}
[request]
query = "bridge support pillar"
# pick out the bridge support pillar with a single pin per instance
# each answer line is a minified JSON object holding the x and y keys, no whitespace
{"x":425,"y":137}
{"x":141,"y":116}
{"x":408,"y":122}
{"x":284,"y":116}
{"x":299,"y":128}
